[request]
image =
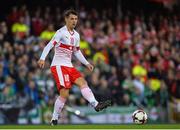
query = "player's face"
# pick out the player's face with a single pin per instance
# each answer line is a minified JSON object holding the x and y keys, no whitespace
{"x":71,"y":21}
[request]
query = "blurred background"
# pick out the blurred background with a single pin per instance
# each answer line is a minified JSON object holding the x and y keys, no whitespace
{"x":134,"y":46}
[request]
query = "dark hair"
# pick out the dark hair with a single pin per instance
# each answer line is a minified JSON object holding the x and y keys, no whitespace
{"x":70,"y":11}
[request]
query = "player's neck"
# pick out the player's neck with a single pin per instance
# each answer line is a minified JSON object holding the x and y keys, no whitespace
{"x":70,"y":29}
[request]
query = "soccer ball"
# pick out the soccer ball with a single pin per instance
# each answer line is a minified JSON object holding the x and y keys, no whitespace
{"x":139,"y":117}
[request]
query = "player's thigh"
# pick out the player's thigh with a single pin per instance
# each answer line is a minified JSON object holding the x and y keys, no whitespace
{"x":80,"y":82}
{"x":77,"y":78}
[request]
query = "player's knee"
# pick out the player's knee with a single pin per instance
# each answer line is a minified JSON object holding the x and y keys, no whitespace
{"x":64,"y":93}
{"x":66,"y":96}
{"x":84,"y":83}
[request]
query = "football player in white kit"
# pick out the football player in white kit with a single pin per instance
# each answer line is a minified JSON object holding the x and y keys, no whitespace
{"x":65,"y":43}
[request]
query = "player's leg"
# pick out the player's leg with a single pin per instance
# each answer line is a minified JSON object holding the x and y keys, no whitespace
{"x":58,"y":72}
{"x":86,"y":91}
{"x":59,"y":104}
{"x":89,"y":96}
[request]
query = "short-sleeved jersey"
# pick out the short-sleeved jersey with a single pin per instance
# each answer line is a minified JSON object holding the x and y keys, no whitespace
{"x":65,"y":43}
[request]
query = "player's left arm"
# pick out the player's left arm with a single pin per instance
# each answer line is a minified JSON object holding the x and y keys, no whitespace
{"x":78,"y":54}
{"x":83,"y":60}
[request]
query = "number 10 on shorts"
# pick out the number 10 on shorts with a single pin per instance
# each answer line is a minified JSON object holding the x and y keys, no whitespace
{"x":66,"y":78}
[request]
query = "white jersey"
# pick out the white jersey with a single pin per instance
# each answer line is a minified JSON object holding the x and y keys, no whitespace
{"x":65,"y":43}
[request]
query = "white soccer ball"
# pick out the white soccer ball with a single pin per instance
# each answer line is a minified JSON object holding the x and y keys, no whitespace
{"x":139,"y":117}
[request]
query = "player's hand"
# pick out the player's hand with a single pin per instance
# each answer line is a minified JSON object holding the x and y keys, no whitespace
{"x":41,"y":63}
{"x":90,"y":67}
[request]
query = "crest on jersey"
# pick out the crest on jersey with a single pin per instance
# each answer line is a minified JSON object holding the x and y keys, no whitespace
{"x":72,"y":40}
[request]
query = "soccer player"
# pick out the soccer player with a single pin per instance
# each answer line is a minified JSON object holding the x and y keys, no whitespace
{"x":66,"y":42}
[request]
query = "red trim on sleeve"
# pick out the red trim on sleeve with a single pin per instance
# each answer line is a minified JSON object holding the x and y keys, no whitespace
{"x":54,"y":43}
{"x":77,"y":48}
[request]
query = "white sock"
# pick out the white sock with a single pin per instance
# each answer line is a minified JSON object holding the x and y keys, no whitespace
{"x":58,"y":106}
{"x":89,"y":96}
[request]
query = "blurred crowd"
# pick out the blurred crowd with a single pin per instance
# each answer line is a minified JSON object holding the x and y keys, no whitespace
{"x":136,"y":57}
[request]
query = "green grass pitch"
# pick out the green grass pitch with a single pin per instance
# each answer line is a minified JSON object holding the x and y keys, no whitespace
{"x":83,"y":127}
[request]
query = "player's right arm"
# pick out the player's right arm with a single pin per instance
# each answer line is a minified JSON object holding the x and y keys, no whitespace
{"x":47,"y":48}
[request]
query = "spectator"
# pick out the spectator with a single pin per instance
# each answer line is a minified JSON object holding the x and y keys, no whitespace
{"x":20,"y":29}
{"x":48,"y":33}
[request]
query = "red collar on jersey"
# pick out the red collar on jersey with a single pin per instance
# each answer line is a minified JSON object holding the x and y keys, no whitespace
{"x":71,"y":33}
